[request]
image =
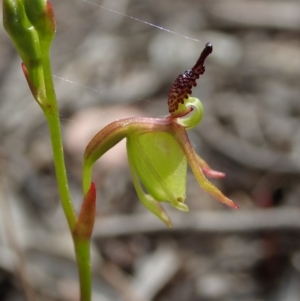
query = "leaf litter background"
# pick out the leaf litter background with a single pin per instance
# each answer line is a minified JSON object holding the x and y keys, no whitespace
{"x":250,"y":92}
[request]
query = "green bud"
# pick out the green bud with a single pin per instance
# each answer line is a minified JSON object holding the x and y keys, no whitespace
{"x":31,"y":26}
{"x":22,"y":33}
{"x":40,"y":14}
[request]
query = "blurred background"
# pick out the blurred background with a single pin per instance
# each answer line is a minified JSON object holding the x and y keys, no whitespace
{"x":108,"y":66}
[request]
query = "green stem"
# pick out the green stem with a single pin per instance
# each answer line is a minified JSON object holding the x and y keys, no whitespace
{"x":61,"y":176}
{"x":51,"y":112}
{"x":86,"y":177}
{"x":82,"y":248}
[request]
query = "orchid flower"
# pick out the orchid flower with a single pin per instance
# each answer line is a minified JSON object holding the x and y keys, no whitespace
{"x":159,"y":148}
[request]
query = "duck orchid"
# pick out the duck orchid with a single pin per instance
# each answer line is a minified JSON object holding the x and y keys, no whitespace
{"x":159,"y":148}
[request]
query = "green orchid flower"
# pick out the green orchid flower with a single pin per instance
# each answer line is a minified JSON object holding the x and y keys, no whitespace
{"x":159,"y":149}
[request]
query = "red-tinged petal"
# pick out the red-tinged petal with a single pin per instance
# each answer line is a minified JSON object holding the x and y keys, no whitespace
{"x":207,"y":169}
{"x":85,"y":223}
{"x":184,"y":142}
{"x":213,"y":174}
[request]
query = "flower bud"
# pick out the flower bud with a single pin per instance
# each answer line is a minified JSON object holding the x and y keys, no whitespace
{"x":31,"y":26}
{"x":40,"y":15}
{"x":24,"y":37}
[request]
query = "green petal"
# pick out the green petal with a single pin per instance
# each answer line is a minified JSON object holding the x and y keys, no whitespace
{"x":148,"y":201}
{"x":161,"y":166}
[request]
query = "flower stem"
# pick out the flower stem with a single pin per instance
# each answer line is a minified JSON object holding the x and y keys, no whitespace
{"x":82,"y":247}
{"x":52,"y":115}
{"x":82,"y":250}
